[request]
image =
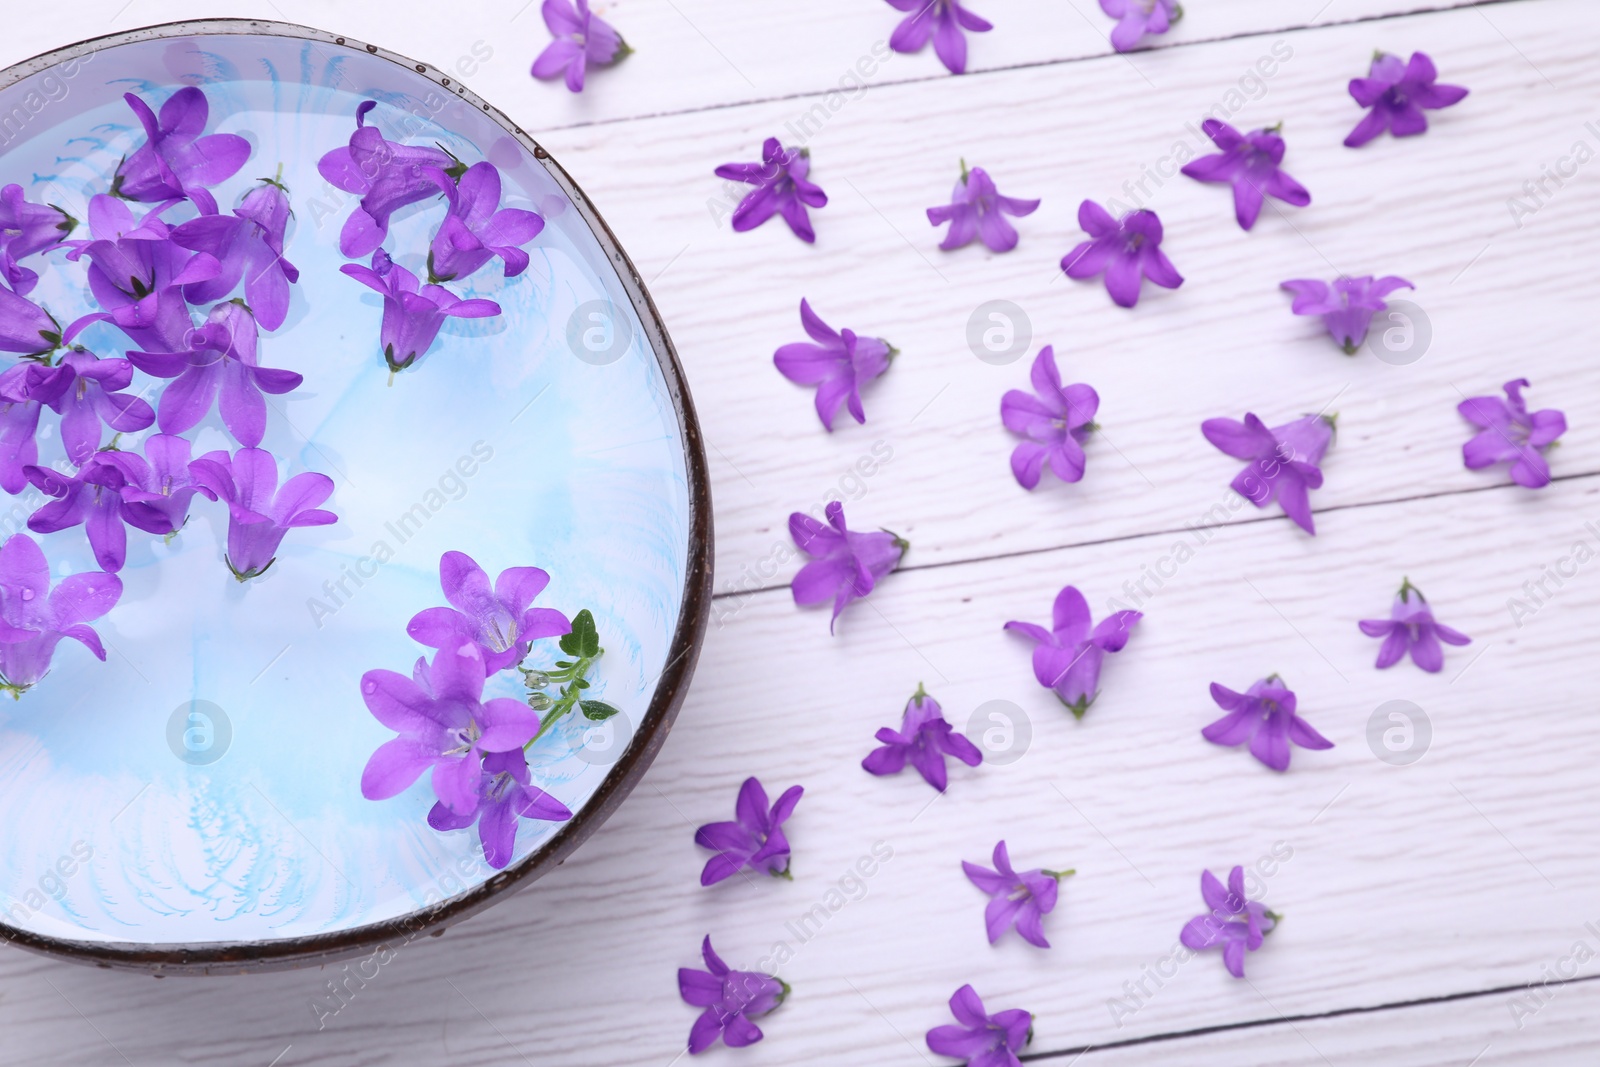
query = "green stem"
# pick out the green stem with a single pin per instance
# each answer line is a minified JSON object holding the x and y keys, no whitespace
{"x":571,"y":693}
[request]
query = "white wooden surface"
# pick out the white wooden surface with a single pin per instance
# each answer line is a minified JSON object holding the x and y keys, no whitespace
{"x":1472,"y":872}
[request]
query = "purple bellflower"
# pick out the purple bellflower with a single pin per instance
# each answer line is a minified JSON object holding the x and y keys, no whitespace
{"x":1510,"y":433}
{"x":34,"y":618}
{"x":248,"y":245}
{"x":386,"y":175}
{"x":1135,"y":18}
{"x":1283,"y":460}
{"x":838,"y":365}
{"x":92,"y":498}
{"x":845,"y":564}
{"x":26,"y":229}
{"x":505,"y":794}
{"x":412,"y":312}
{"x":1347,"y":306}
{"x":163,"y":483}
{"x":1234,"y":923}
{"x":977,"y":209}
{"x":944,"y":21}
{"x":26,"y":328}
{"x":501,"y":620}
{"x":1125,"y":250}
{"x":477,"y":228}
{"x":1068,"y":656}
{"x":25,"y":389}
{"x":730,"y":999}
{"x":1399,"y":95}
{"x":260,"y":512}
{"x":176,"y":162}
{"x":92,"y":394}
{"x":1265,"y":717}
{"x":1250,"y":162}
{"x":781,"y":188}
{"x":754,"y":840}
{"x":981,"y":1039}
{"x":1016,"y":899}
{"x":1411,"y":628}
{"x":1055,"y":419}
{"x":579,"y":39}
{"x":923,"y":740}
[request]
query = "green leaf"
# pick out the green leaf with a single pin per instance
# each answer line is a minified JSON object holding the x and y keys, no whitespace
{"x":584,"y":634}
{"x":596,"y":710}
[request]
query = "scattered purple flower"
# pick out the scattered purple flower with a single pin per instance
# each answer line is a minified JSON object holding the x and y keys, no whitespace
{"x":977,"y":209}
{"x":1055,"y":422}
{"x":1512,"y":434}
{"x":176,"y":162}
{"x":1399,"y":94}
{"x":730,"y":998}
{"x":92,"y":498}
{"x":1346,"y":306}
{"x":1283,"y":460}
{"x":944,"y":21}
{"x":1411,"y":628}
{"x":579,"y":39}
{"x":26,"y":328}
{"x":845,"y":564}
{"x":92,"y":394}
{"x":1067,"y":658}
{"x":387,"y":175}
{"x":838,"y":365}
{"x":26,"y":229}
{"x":505,"y":793}
{"x":164,"y":484}
{"x":754,"y":840}
{"x":36,"y":618}
{"x":981,"y":1039}
{"x":781,"y":188}
{"x":502,"y":620}
{"x":1264,"y":716}
{"x":1235,"y":923}
{"x":1250,"y":162}
{"x":25,"y":389}
{"x":477,"y":228}
{"x":1016,"y":899}
{"x":1135,"y":18}
{"x":248,"y":245}
{"x":260,"y":512}
{"x":923,"y":740}
{"x":1125,"y":250}
{"x":412,"y":312}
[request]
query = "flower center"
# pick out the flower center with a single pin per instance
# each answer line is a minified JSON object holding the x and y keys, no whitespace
{"x":465,"y":737}
{"x":499,"y":784}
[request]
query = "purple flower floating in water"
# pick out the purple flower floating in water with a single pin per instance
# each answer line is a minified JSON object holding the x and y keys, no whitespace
{"x":1399,"y":94}
{"x":412,"y":312}
{"x":1346,"y":306}
{"x":845,"y":564}
{"x":1411,"y":627}
{"x":91,"y":394}
{"x":1067,"y":657}
{"x":1264,"y":716}
{"x":1125,"y":250}
{"x":249,"y":246}
{"x":754,"y":840}
{"x":163,"y":483}
{"x":1235,"y":923}
{"x":944,"y":21}
{"x":26,"y":328}
{"x":730,"y":999}
{"x":923,"y":740}
{"x":505,"y":793}
{"x":1512,"y":434}
{"x":444,"y":724}
{"x":1250,"y":162}
{"x":1016,"y":899}
{"x":387,"y":175}
{"x":781,"y":188}
{"x":580,"y":38}
{"x":260,"y":512}
{"x":25,"y":389}
{"x":1135,"y":18}
{"x":176,"y":162}
{"x":477,"y":228}
{"x":26,"y":229}
{"x":1283,"y":460}
{"x":36,"y":618}
{"x":981,"y":1039}
{"x":502,"y":620}
{"x":1056,"y":422}
{"x":838,"y":365}
{"x":977,"y":209}
{"x":92,"y":498}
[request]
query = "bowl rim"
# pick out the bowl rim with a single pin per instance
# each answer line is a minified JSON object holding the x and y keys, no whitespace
{"x":682,"y":653}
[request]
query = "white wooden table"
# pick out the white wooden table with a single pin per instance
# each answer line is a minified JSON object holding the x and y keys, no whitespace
{"x":1421,"y":900}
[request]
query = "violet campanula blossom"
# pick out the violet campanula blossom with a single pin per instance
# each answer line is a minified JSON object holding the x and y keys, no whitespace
{"x":176,"y":162}
{"x":412,"y":312}
{"x":781,"y":187}
{"x":981,"y":1039}
{"x":505,"y":795}
{"x":579,"y":38}
{"x":25,"y":229}
{"x":1510,"y":433}
{"x":944,"y":21}
{"x":1284,"y":461}
{"x":93,"y":395}
{"x":1251,"y":163}
{"x":25,"y":389}
{"x":730,"y":998}
{"x":477,"y":229}
{"x":92,"y":498}
{"x":1016,"y":899}
{"x":163,"y":484}
{"x":923,"y":740}
{"x":36,"y":618}
{"x":260,"y":512}
{"x":1067,"y":657}
{"x":1412,"y":628}
{"x":977,"y":209}
{"x":444,"y":725}
{"x":26,"y":328}
{"x":754,"y":840}
{"x":248,"y":245}
{"x":845,"y":564}
{"x":501,"y":620}
{"x":1234,"y":922}
{"x":1399,"y":94}
{"x":1125,"y":250}
{"x":386,"y":175}
{"x":1265,"y":716}
{"x":1055,"y":419}
{"x":838,"y":365}
{"x":1135,"y":18}
{"x":1347,"y":306}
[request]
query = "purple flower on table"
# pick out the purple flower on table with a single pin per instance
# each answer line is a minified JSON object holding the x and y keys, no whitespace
{"x":1067,"y":657}
{"x":1251,"y":163}
{"x":944,"y":21}
{"x":501,"y":620}
{"x":781,"y":188}
{"x":25,"y":389}
{"x":1016,"y":899}
{"x":579,"y":39}
{"x":923,"y":740}
{"x":1055,"y":422}
{"x":1135,"y":18}
{"x":754,"y":840}
{"x":386,"y":175}
{"x":1283,"y":460}
{"x":845,"y":564}
{"x":1412,"y":628}
{"x":730,"y":999}
{"x":34,"y":618}
{"x":1346,"y":306}
{"x":477,"y":228}
{"x":505,"y":793}
{"x":1264,"y":716}
{"x":1234,"y":922}
{"x":260,"y":512}
{"x":412,"y":312}
{"x":981,"y":1039}
{"x":176,"y":162}
{"x":838,"y":365}
{"x":91,"y":395}
{"x":26,"y":229}
{"x":1510,"y":433}
{"x":977,"y":209}
{"x":164,"y":484}
{"x":1125,"y":250}
{"x":92,"y":498}
{"x":444,"y":725}
{"x":1399,"y":94}
{"x":248,"y":245}
{"x":219,"y":367}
